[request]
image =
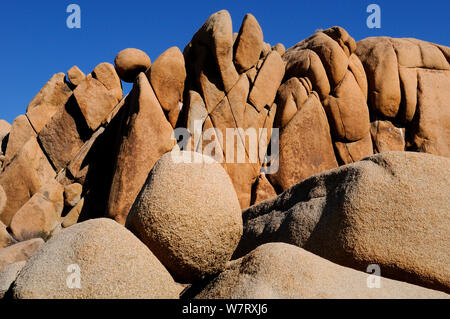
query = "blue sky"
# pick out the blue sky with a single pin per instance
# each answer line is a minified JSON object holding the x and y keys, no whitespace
{"x":36,"y":42}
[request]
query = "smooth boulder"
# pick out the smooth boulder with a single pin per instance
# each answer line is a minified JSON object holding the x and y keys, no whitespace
{"x":389,"y":209}
{"x":279,"y":270}
{"x":188,"y":214}
{"x":111,"y":263}
{"x":130,"y":62}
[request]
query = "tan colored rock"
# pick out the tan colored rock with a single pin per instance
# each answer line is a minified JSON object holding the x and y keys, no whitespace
{"x":386,"y":137}
{"x":147,"y":136}
{"x":72,"y":217}
{"x":75,"y":75}
{"x":196,"y":114}
{"x":305,"y":146}
{"x":23,"y":177}
{"x":241,"y":102}
{"x":265,"y":51}
{"x":327,"y":59}
{"x":21,"y":132}
{"x":19,"y":252}
{"x":382,"y":74}
{"x":40,"y":215}
{"x":306,"y":63}
{"x":116,"y":110}
{"x":279,"y":47}
{"x":72,"y":194}
{"x":201,"y":67}
{"x":52,"y":97}
{"x":409,"y":84}
{"x":5,"y":128}
{"x":350,"y":152}
{"x":262,"y":190}
{"x":267,"y":81}
{"x":217,"y":34}
{"x":389,"y":209}
{"x":5,"y":238}
{"x":8,"y":275}
{"x":248,"y":45}
{"x":391,"y":66}
{"x":194,"y":231}
{"x":347,"y":110}
{"x":130,"y":62}
{"x":357,"y":69}
{"x":167,"y":76}
{"x":430,"y":132}
{"x":345,"y":41}
{"x":60,"y":138}
{"x":251,"y":74}
{"x":107,"y":75}
{"x":331,"y":54}
{"x":112,"y":262}
{"x":279,"y":270}
{"x":3,"y":199}
{"x":95,"y":100}
{"x":80,"y":163}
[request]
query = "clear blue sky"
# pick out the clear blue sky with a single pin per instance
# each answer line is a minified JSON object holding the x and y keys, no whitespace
{"x":35,"y":42}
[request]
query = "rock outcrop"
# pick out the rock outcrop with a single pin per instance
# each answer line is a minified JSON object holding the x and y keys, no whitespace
{"x":277,"y":145}
{"x":282,"y":271}
{"x":408,"y":86}
{"x":232,"y":85}
{"x":389,"y":209}
{"x":110,"y":261}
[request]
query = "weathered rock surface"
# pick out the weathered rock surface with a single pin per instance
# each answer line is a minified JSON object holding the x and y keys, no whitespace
{"x":248,"y":45}
{"x":262,"y":190}
{"x":5,"y":238}
{"x":409,"y":84}
{"x":5,"y":128}
{"x":72,"y":217}
{"x":279,"y":270}
{"x":21,"y":132}
{"x":64,"y":135}
{"x":107,"y":75}
{"x":306,"y":146}
{"x":23,"y":177}
{"x":130,"y":62}
{"x":327,"y":59}
{"x":53,"y":96}
{"x":39,"y":215}
{"x":8,"y":275}
{"x":225,"y":99}
{"x":278,"y":122}
{"x":390,"y":209}
{"x":94,"y":101}
{"x":386,"y":137}
{"x":147,"y":135}
{"x":194,"y":231}
{"x":75,"y":75}
{"x":112,"y":263}
{"x":19,"y":252}
{"x":72,"y":194}
{"x":167,"y":76}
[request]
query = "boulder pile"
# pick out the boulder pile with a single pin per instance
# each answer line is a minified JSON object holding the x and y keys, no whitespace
{"x":234,"y":169}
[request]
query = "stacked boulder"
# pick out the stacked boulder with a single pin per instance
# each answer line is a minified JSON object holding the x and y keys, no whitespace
{"x":408,"y":94}
{"x":346,"y":184}
{"x":232,"y":83}
{"x":322,"y":111}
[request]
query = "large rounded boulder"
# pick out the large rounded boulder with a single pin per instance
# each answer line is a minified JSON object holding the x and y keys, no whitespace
{"x":188,"y":214}
{"x":95,"y":259}
{"x":130,"y":62}
{"x":279,"y":270}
